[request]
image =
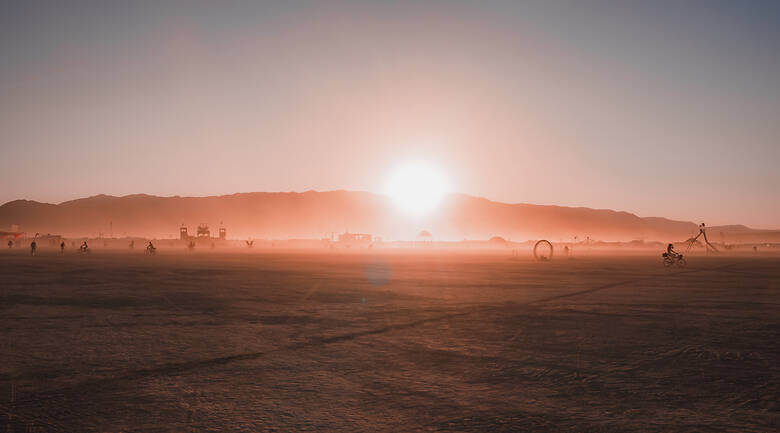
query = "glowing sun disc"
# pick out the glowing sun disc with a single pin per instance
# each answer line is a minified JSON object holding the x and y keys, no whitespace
{"x":417,"y":188}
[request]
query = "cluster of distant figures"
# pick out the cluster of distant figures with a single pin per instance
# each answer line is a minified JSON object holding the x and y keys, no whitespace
{"x":83,"y":248}
{"x":670,"y":257}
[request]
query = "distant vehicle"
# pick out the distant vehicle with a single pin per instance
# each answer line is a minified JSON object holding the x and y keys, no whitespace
{"x":674,"y":259}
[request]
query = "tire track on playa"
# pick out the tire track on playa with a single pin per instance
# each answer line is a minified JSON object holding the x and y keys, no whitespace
{"x":96,"y":385}
{"x":630,"y":281}
{"x":29,"y":422}
{"x":86,"y":387}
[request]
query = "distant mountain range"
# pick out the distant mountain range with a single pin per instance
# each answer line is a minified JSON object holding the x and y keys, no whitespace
{"x":313,"y":214}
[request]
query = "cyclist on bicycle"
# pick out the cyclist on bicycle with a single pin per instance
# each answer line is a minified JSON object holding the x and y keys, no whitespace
{"x":670,"y":251}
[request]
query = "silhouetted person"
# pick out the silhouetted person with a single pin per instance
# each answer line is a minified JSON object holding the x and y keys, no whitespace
{"x":10,"y":244}
{"x":33,"y":248}
{"x":62,"y":247}
{"x":84,"y":247}
{"x":150,"y":246}
{"x":566,"y":250}
{"x":132,"y":244}
{"x":670,"y":250}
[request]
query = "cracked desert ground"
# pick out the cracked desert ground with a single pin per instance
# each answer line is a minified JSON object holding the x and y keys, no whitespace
{"x":380,"y":340}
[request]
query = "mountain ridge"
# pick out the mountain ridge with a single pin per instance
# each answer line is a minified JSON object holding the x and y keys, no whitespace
{"x":314,"y":214}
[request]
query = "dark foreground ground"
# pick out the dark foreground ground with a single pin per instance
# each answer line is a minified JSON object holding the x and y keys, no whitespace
{"x":114,"y":342}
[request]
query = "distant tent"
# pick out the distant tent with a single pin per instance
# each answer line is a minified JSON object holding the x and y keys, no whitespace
{"x":497,"y":240}
{"x":425,"y":238}
{"x":425,"y":235}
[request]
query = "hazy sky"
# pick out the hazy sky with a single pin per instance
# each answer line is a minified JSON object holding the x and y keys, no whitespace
{"x":654,"y":107}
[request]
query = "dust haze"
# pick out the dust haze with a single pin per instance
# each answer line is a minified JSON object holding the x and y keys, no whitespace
{"x":316,"y":215}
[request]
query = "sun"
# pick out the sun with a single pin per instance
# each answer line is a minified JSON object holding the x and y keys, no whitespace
{"x":417,"y":188}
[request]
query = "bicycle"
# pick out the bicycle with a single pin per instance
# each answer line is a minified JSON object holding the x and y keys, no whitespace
{"x":674,"y":259}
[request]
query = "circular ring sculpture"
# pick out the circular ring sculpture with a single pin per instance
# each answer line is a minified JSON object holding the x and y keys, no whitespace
{"x":543,"y":250}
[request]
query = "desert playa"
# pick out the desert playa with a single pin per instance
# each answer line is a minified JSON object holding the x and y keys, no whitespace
{"x":387,"y":341}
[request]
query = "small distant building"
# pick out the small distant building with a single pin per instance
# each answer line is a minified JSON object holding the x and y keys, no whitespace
{"x":348,"y":239}
{"x":203,"y":234}
{"x":13,"y":234}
